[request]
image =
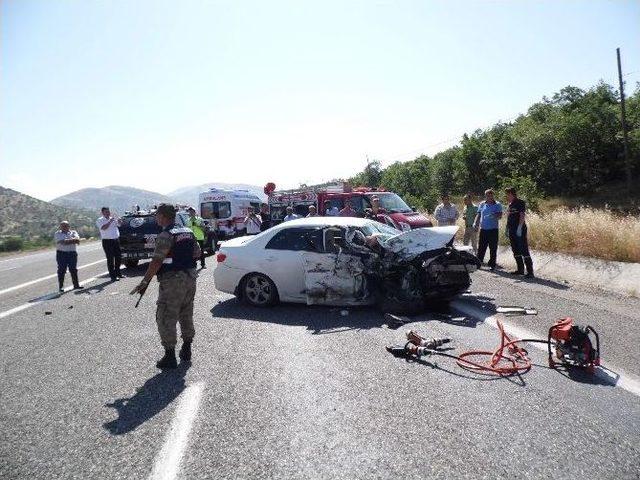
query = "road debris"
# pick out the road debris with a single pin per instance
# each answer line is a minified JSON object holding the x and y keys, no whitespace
{"x":512,"y":310}
{"x":48,"y":312}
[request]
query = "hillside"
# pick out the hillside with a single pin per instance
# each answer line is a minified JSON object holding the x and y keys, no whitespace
{"x":29,"y":218}
{"x":118,"y":198}
{"x":189,"y":195}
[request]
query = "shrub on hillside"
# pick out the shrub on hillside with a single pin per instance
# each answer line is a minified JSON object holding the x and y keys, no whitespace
{"x":11,"y":244}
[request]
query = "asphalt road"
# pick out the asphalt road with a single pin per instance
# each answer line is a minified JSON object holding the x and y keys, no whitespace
{"x":300,"y":392}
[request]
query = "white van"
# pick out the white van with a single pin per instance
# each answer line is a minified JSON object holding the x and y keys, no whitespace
{"x":229,"y":207}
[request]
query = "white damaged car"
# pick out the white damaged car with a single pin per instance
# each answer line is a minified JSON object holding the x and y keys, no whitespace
{"x":345,"y":261}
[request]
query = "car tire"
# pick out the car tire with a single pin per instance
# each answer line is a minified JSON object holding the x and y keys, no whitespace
{"x":131,"y":263}
{"x":259,"y":290}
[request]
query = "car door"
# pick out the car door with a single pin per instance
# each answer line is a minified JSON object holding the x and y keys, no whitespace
{"x":283,"y":260}
{"x":334,"y":276}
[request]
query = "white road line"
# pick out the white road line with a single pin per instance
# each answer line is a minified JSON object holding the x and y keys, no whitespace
{"x":84,"y":248}
{"x":606,"y":372}
{"x":168,"y":459}
{"x":42,"y":279}
{"x":44,"y":298}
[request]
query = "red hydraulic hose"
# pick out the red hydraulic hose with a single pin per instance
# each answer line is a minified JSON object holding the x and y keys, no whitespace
{"x":508,"y":359}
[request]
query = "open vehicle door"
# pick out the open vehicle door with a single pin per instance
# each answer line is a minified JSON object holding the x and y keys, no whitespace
{"x":333,"y":276}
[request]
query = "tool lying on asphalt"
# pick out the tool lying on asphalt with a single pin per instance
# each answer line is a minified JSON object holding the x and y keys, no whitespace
{"x":573,"y":345}
{"x":573,"y":348}
{"x":515,"y":310}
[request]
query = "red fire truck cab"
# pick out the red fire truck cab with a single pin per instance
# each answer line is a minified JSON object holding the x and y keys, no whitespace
{"x":395,"y":212}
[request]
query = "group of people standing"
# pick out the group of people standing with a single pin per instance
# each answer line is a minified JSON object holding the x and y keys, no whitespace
{"x":482,"y":224}
{"x":67,"y":240}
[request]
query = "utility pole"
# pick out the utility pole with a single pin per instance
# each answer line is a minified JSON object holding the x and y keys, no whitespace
{"x":623,"y":117}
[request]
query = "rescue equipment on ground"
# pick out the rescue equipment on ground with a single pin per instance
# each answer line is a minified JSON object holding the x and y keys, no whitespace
{"x":570,"y":344}
{"x":573,"y":345}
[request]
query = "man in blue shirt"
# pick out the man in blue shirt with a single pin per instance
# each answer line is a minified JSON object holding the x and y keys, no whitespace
{"x":487,"y":218}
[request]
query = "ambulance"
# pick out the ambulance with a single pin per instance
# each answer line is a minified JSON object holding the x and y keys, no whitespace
{"x":229,"y":207}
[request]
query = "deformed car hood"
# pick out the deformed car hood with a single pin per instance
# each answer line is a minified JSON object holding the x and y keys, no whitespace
{"x":412,"y":243}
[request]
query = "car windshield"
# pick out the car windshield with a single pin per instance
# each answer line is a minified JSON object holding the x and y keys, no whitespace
{"x":374,"y":228}
{"x":220,"y":210}
{"x":392,"y":203}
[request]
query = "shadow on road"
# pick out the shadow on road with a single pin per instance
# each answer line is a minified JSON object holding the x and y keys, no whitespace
{"x":516,"y":379}
{"x":537,"y":281}
{"x":318,"y":319}
{"x":150,"y":399}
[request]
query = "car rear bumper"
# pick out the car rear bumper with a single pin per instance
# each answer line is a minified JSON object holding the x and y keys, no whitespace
{"x":227,"y":279}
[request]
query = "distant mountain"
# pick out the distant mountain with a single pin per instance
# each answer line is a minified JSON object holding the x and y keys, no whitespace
{"x":118,"y":198}
{"x":189,"y":195}
{"x":28,"y":217}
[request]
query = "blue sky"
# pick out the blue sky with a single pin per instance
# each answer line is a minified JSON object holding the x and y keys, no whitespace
{"x":163,"y":94}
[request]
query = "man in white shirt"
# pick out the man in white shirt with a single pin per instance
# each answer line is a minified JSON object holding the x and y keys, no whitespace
{"x":66,"y":254}
{"x":329,"y":210}
{"x":290,"y":215}
{"x":446,"y":213}
{"x":252,"y":222}
{"x":110,"y":234}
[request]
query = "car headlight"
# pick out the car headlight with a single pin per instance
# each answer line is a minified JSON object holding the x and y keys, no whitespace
{"x":404,"y":226}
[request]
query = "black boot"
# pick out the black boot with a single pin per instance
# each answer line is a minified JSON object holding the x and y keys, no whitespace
{"x":519,"y":266}
{"x":169,"y":359}
{"x":61,"y":282}
{"x":185,"y":351}
{"x":74,"y":279}
{"x":529,"y":263}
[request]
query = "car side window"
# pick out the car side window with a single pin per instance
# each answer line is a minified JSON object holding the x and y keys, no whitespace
{"x":297,"y":239}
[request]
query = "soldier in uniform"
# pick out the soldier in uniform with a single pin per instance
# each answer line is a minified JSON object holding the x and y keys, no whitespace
{"x":174,"y":261}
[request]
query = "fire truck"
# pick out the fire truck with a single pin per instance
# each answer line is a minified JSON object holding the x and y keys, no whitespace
{"x":395,"y":212}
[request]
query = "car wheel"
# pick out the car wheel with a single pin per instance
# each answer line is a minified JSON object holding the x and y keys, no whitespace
{"x":258,"y":290}
{"x":131,"y":263}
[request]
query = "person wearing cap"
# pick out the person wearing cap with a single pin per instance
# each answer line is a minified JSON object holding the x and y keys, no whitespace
{"x":174,"y":262}
{"x":66,"y":254}
{"x":313,"y":211}
{"x":196,"y":224}
{"x":290,"y":215}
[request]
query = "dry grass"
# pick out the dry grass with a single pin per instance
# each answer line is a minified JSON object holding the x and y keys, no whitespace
{"x":586,"y":231}
{"x":591,"y":232}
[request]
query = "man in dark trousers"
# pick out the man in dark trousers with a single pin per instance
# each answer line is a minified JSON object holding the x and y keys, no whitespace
{"x":174,"y":261}
{"x":66,"y":254}
{"x":487,"y":219}
{"x":517,"y":233}
{"x":110,"y":234}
